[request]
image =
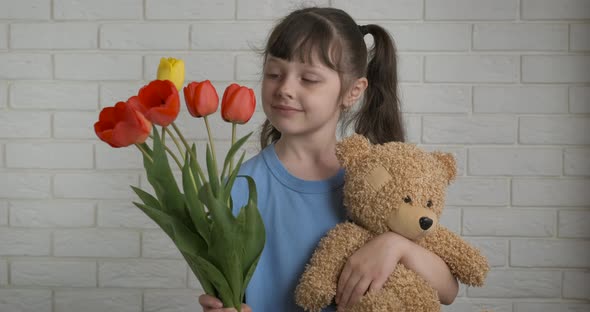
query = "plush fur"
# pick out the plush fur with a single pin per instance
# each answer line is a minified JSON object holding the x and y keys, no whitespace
{"x":390,"y":187}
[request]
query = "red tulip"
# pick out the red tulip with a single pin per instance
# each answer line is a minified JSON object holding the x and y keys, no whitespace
{"x":121,"y":125}
{"x":159,"y":102}
{"x":238,"y":104}
{"x":201,"y":98}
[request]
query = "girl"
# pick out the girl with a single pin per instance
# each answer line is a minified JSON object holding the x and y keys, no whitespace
{"x":315,"y":70}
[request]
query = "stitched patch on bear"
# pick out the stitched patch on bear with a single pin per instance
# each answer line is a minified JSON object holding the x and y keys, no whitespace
{"x":378,"y":177}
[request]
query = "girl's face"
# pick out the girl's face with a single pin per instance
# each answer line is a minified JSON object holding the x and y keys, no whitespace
{"x":300,"y":98}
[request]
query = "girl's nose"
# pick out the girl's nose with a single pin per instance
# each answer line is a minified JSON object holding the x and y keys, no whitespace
{"x":285,"y":89}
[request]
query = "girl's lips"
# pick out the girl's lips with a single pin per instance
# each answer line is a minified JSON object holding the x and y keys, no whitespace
{"x":285,"y":108}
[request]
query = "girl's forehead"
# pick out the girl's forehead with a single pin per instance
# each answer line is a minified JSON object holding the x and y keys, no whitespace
{"x":314,"y":62}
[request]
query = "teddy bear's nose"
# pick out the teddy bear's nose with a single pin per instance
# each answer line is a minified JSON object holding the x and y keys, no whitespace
{"x":425,"y":223}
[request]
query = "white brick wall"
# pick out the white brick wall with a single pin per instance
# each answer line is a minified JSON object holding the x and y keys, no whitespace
{"x":504,"y":85}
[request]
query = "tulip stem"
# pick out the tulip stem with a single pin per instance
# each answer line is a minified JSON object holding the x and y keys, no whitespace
{"x":233,"y":141}
{"x":174,"y":139}
{"x":199,"y":170}
{"x":144,"y":152}
{"x":169,"y":152}
{"x":211,"y":144}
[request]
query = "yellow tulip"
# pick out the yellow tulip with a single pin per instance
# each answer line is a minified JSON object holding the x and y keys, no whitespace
{"x":172,"y":69}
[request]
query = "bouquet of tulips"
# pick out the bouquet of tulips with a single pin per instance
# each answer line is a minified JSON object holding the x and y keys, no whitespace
{"x":221,"y":249}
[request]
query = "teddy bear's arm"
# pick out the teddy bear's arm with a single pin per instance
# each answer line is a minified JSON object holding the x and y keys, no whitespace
{"x":465,"y":261}
{"x":317,"y":286}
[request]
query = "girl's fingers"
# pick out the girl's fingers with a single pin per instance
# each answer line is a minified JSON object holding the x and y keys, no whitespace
{"x":209,"y":302}
{"x":342,"y":282}
{"x":359,"y":290}
{"x":348,"y":289}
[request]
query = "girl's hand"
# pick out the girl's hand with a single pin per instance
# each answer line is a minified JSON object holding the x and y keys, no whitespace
{"x":369,"y":267}
{"x":212,"y":304}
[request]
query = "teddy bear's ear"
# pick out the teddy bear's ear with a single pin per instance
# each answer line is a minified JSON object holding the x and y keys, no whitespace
{"x":448,"y":162}
{"x":352,"y":148}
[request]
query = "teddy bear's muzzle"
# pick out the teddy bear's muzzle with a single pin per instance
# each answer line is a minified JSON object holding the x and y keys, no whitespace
{"x":411,"y":222}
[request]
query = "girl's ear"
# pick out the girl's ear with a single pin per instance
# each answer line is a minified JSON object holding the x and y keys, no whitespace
{"x":356,"y":91}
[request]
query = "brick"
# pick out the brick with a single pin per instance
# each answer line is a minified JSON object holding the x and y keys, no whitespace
{"x":579,"y":37}
{"x":554,"y":130}
{"x":190,"y":10}
{"x":410,"y":68}
{"x":162,"y":300}
{"x":96,"y":243}
{"x":118,"y":158}
{"x":478,"y":192}
{"x":17,"y":125}
{"x":198,"y":66}
{"x":25,"y":9}
{"x":3,"y":94}
{"x":142,"y":273}
{"x":549,"y":253}
{"x":122,"y":214}
{"x":25,"y":66}
{"x":24,"y":185}
{"x":2,"y":164}
{"x":430,"y":36}
{"x":53,"y":273}
{"x":3,"y":213}
{"x":435,"y":99}
{"x":519,"y":284}
{"x":25,"y":300}
{"x":527,"y":99}
{"x":74,"y":125}
{"x":573,"y":224}
{"x":550,"y":307}
{"x":19,"y":242}
{"x":51,"y":213}
{"x":509,"y":222}
{"x":34,"y":155}
{"x":495,"y":250}
{"x":157,"y":244}
{"x":515,"y":161}
{"x":94,"y":185}
{"x":194,"y":129}
{"x":51,"y":36}
{"x":469,"y":130}
{"x":228,"y":36}
{"x":551,"y":10}
{"x":544,"y":37}
{"x":577,"y":162}
{"x":53,"y":95}
{"x":141,"y":36}
{"x":92,"y":10}
{"x":112,"y":92}
{"x":451,"y":219}
{"x":3,"y":273}
{"x":98,"y":66}
{"x":249,"y":67}
{"x":580,"y":100}
{"x":193,"y":282}
{"x":471,"y":10}
{"x":471,"y":68}
{"x":575,"y":285}
{"x":470,"y":305}
{"x":3,"y":36}
{"x":413,"y":128}
{"x":269,"y":9}
{"x":556,"y":68}
{"x":97,"y":300}
{"x":550,"y":192}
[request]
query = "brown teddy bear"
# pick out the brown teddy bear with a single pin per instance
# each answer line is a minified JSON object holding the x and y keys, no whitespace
{"x":390,"y":187}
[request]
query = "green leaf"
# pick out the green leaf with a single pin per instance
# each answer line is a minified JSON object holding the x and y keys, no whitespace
{"x":191,"y":193}
{"x":147,"y":198}
{"x":226,"y":194}
{"x":213,"y":178}
{"x":186,"y":240}
{"x":205,"y":283}
{"x":213,"y":274}
{"x":232,"y":151}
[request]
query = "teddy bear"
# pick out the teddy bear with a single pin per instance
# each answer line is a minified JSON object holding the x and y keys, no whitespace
{"x":395,"y":187}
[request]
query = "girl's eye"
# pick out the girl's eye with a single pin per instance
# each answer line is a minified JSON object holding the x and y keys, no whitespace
{"x":429,"y":203}
{"x":308,"y":80}
{"x":407,"y":200}
{"x":272,"y":75}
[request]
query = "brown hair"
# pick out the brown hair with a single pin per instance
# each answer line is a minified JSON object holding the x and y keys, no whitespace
{"x":340,"y":45}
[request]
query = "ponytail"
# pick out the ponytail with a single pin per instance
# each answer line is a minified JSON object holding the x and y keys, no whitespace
{"x":268,"y":134}
{"x":379,"y":118}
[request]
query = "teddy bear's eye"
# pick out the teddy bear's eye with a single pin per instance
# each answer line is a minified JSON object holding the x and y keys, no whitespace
{"x":429,"y":203}
{"x":407,"y":200}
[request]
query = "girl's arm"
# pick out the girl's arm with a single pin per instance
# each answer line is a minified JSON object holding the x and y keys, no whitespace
{"x":370,"y":266}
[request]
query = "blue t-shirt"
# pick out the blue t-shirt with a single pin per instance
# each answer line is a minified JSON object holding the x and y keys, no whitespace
{"x":296,"y":214}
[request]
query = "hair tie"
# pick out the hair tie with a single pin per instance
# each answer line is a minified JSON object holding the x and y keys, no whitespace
{"x":363,"y":29}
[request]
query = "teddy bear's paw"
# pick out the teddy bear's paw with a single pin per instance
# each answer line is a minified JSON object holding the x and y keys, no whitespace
{"x":312,"y":299}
